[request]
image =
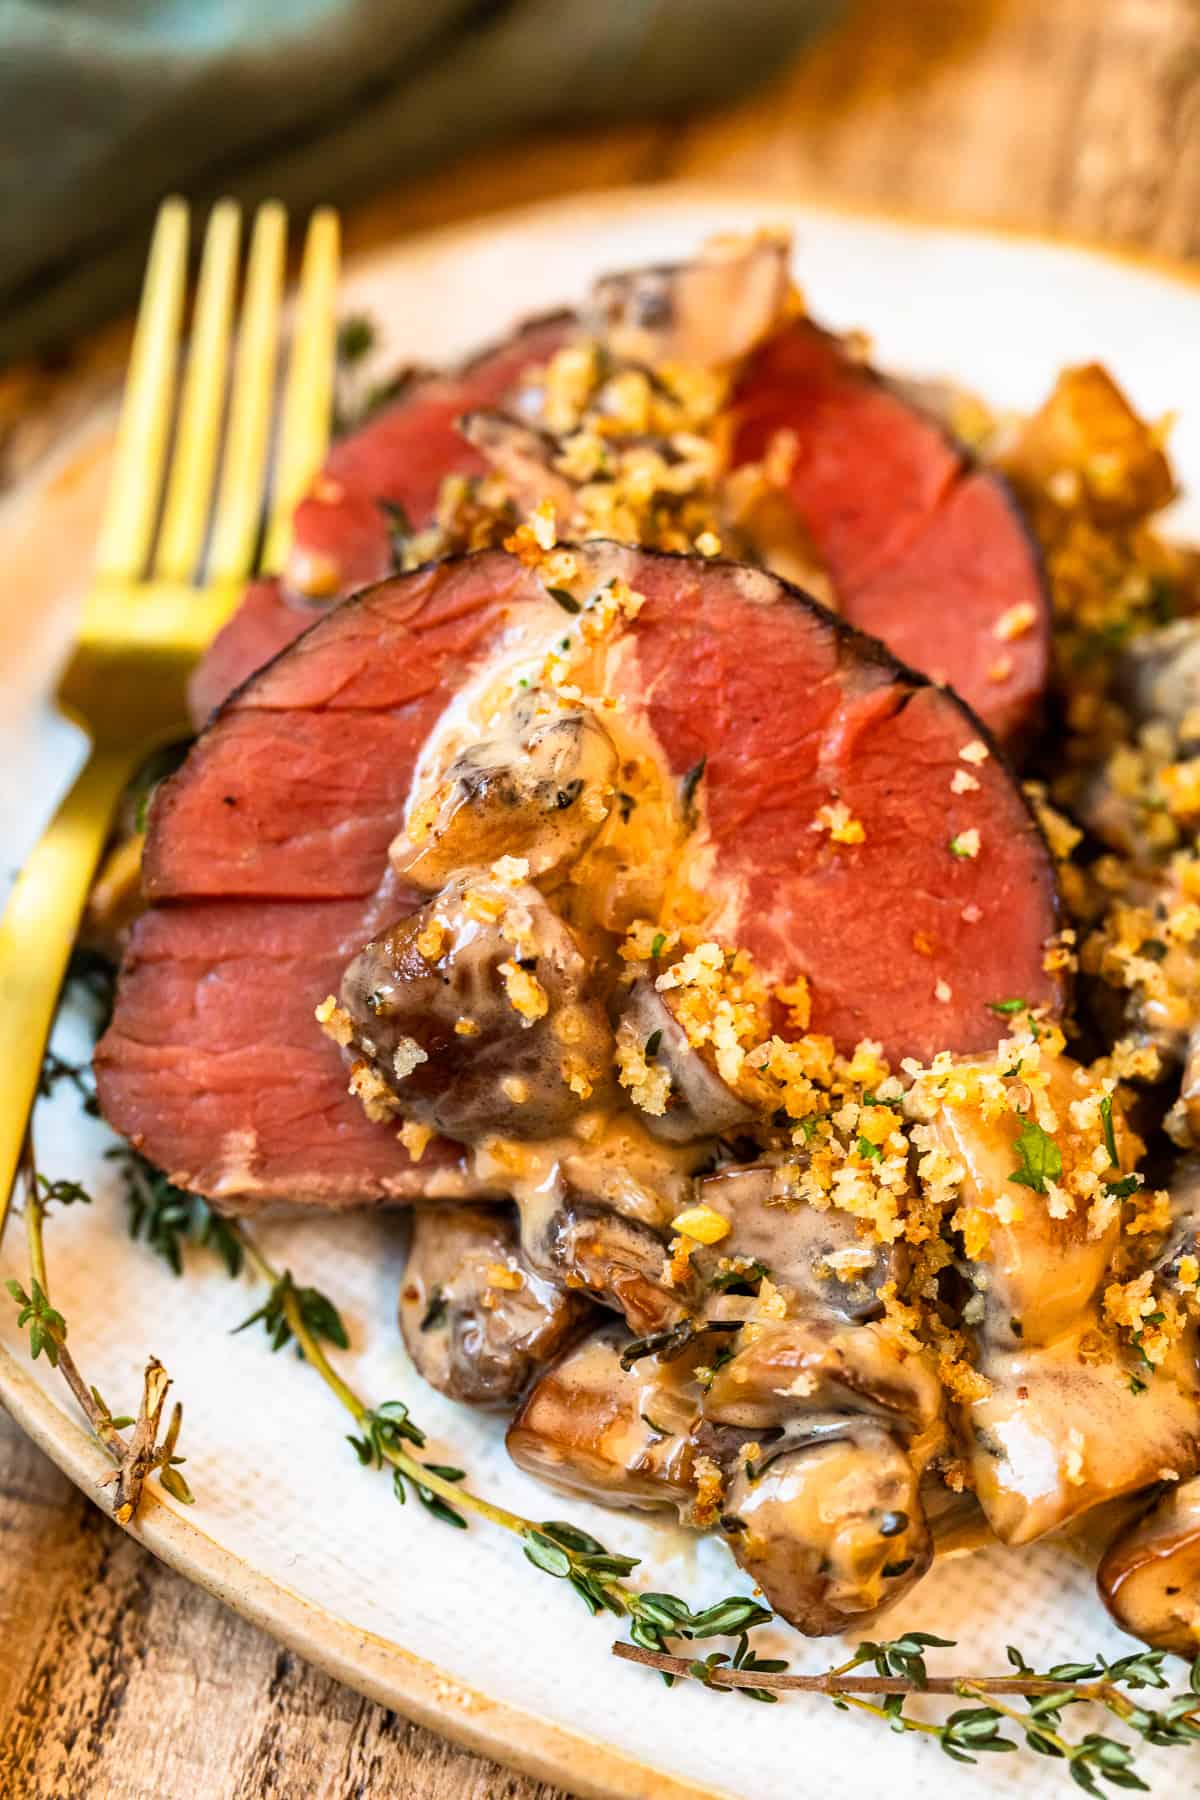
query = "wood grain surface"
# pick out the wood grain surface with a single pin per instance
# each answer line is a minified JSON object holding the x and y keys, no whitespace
{"x":117,"y":1680}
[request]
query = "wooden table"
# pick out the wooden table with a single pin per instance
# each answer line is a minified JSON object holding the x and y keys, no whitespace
{"x":116,"y":1678}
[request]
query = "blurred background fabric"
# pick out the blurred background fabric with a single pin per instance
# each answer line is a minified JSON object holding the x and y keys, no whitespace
{"x":107,"y":105}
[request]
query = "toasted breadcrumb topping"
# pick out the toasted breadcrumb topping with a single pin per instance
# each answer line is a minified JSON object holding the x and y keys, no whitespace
{"x":526,"y":994}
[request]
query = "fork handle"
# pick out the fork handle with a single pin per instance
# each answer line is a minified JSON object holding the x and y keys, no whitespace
{"x":36,"y":935}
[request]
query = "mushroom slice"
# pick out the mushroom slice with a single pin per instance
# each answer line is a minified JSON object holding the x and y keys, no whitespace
{"x":618,"y":1261}
{"x":538,"y":787}
{"x":809,"y":1366}
{"x":1087,"y":440}
{"x":523,"y":457}
{"x":476,"y":1319}
{"x":691,"y":1100}
{"x":1149,"y":1578}
{"x":473,"y":1015}
{"x":818,"y":1257}
{"x":1158,"y":676}
{"x":1041,"y":1272}
{"x":710,"y":311}
{"x":832,"y":1532}
{"x":619,"y":1436}
{"x":1058,"y":1435}
{"x":1184,"y":1240}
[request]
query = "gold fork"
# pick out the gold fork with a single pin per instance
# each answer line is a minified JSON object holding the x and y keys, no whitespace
{"x":175,"y":547}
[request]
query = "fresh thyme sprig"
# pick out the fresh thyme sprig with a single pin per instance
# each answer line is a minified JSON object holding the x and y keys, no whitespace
{"x":142,"y":1454}
{"x":319,"y":1313}
{"x":968,"y":1732}
{"x":167,"y":1218}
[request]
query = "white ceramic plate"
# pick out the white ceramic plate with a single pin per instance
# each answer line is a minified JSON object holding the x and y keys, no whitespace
{"x":454,"y":1628}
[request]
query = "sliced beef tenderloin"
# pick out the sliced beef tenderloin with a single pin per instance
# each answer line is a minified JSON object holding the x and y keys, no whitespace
{"x":923,"y":549}
{"x":342,"y":529}
{"x":828,"y":807}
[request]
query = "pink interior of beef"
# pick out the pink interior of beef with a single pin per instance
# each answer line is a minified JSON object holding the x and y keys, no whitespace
{"x":268,"y":848}
{"x":924,"y":550}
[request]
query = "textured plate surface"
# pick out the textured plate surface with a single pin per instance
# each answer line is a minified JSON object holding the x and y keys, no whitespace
{"x":456,"y":1628}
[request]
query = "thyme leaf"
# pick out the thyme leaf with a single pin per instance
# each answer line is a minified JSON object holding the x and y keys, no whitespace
{"x":674,"y":1340}
{"x":320,"y":1316}
{"x":1110,"y":1142}
{"x":167,"y":1218}
{"x":47,"y":1328}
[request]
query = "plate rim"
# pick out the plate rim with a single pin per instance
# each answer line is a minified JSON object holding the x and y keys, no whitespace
{"x":373,"y":1666}
{"x":379,"y":1669}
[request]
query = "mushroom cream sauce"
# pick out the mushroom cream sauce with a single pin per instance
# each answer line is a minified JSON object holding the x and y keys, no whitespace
{"x":864,"y":1309}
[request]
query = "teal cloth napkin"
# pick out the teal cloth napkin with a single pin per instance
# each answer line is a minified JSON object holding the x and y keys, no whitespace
{"x":107,"y":105}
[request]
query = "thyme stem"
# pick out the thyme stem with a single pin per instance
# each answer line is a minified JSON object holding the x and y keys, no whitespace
{"x":848,"y":1698}
{"x":314,"y":1353}
{"x":140,"y":1455}
{"x":35,"y":1212}
{"x":838,"y":1683}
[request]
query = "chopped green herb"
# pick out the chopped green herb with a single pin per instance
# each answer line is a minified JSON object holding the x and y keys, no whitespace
{"x":656,"y":948}
{"x":962,"y":850}
{"x":567,"y":601}
{"x":745,"y":1276}
{"x":1153,"y":948}
{"x":874,"y":1152}
{"x":1004,"y":1007}
{"x":1110,"y":1142}
{"x":356,"y":336}
{"x":653,"y":1045}
{"x":399,"y":529}
{"x":691,"y":782}
{"x":1040,"y":1158}
{"x":1163,"y":603}
{"x":675,"y":1340}
{"x":436,"y":1312}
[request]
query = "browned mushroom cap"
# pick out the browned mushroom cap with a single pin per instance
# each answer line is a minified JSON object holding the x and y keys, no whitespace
{"x":694,"y":1102}
{"x":619,"y":1436}
{"x":538,"y":786}
{"x":819,"y":1258}
{"x":709,"y":311}
{"x":801,"y":1367}
{"x":1058,"y":1435}
{"x":1149,"y":1578}
{"x":832,"y":1532}
{"x":477,"y":1320}
{"x":474,"y":1013}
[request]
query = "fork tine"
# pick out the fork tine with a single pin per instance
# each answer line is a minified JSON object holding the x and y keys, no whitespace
{"x":135,"y":483}
{"x":197,"y":437}
{"x":308,"y":397}
{"x":243,"y":474}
